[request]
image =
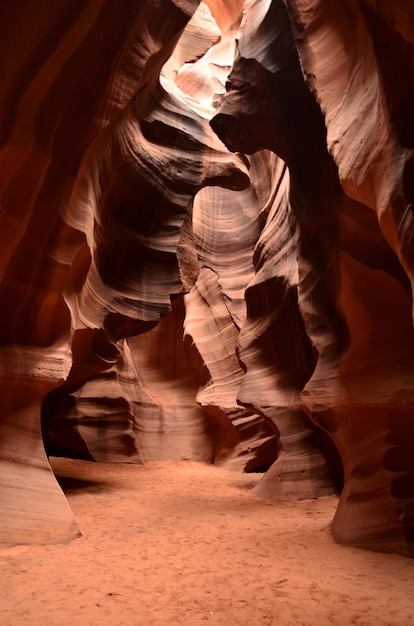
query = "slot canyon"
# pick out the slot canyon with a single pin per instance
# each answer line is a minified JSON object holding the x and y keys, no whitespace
{"x":207,"y":252}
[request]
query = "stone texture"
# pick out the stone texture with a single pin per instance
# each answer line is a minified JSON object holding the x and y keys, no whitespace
{"x":353,"y":222}
{"x":367,"y":398}
{"x":206,"y":250}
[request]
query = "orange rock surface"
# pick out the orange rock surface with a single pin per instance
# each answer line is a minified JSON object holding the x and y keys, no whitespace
{"x":206,"y":251}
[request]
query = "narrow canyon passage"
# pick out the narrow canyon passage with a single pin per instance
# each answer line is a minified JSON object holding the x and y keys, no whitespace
{"x":206,"y":270}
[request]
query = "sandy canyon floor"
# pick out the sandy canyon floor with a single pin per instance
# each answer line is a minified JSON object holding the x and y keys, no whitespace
{"x":189,"y":544}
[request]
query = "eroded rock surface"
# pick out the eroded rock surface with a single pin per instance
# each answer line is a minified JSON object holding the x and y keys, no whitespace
{"x":366,"y":401}
{"x":206,"y":251}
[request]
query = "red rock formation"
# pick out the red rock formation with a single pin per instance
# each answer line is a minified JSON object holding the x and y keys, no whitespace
{"x":67,"y":74}
{"x":353,"y":292}
{"x":276,"y":111}
{"x":367,"y":401}
{"x":170,"y":295}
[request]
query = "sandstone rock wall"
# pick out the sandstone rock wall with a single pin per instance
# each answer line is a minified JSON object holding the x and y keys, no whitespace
{"x":206,"y":250}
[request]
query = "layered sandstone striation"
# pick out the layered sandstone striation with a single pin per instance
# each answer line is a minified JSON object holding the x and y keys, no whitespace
{"x":206,"y":251}
{"x":364,"y":398}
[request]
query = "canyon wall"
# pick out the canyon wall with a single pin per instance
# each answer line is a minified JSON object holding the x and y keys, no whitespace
{"x":206,"y":251}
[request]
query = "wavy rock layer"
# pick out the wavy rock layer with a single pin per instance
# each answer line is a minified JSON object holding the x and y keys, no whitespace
{"x":367,"y":399}
{"x":54,"y":104}
{"x":206,"y":250}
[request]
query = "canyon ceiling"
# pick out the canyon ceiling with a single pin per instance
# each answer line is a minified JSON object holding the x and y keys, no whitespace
{"x":207,"y":250}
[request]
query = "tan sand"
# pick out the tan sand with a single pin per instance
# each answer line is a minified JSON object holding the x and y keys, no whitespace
{"x":186,"y":543}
